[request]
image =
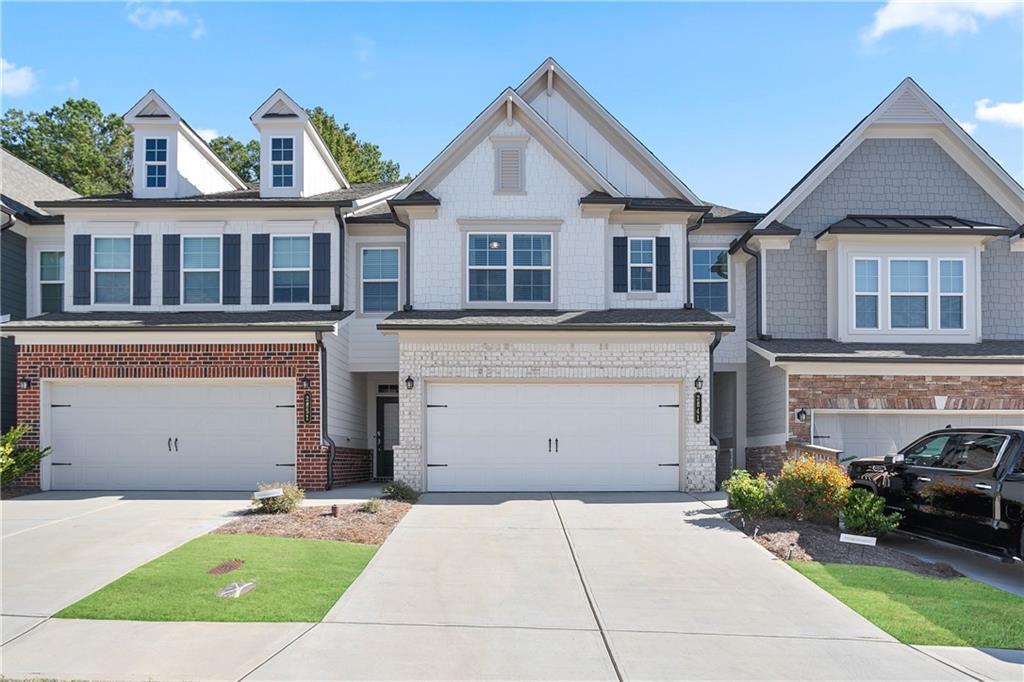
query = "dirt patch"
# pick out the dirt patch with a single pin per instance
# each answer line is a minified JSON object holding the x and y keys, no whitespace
{"x":318,"y":523}
{"x":801,"y":541}
{"x":226,"y":567}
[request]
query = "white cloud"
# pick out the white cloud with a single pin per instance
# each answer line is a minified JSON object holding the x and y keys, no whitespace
{"x":207,"y":133}
{"x":150,"y":16}
{"x":68,"y":86}
{"x":1007,"y":113}
{"x":198,"y":29}
{"x":968,"y":126}
{"x":15,"y":80}
{"x":951,"y":17}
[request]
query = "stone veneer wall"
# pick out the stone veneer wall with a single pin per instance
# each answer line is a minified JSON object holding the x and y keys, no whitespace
{"x":557,"y":361}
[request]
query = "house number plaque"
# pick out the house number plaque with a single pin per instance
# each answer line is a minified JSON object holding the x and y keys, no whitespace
{"x":307,"y":408}
{"x":698,"y":408}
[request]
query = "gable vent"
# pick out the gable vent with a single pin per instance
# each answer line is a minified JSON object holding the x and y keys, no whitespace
{"x":510,"y":169}
{"x":280,"y":108}
{"x":907,"y":108}
{"x":153,"y":110}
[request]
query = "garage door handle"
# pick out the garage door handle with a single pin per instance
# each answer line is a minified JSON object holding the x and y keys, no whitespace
{"x":549,"y":445}
{"x":175,"y":444}
{"x":168,"y":445}
{"x":556,"y":445}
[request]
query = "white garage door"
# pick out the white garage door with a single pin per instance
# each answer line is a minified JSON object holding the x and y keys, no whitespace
{"x":171,"y":436}
{"x":878,"y":434}
{"x":540,"y":437}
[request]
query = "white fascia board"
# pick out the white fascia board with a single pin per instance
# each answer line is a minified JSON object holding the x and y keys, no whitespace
{"x":653,"y":162}
{"x":1017,"y":243}
{"x":360,"y":205}
{"x":766,"y":354}
{"x":207,"y":152}
{"x":532,"y":121}
{"x":151,"y":96}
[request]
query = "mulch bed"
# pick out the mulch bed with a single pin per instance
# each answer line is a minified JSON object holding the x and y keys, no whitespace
{"x":317,"y":523}
{"x":802,"y":541}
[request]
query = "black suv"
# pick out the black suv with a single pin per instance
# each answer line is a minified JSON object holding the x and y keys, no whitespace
{"x":964,"y":486}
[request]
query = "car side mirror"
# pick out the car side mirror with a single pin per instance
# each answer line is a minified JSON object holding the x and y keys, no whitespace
{"x":891,"y":460}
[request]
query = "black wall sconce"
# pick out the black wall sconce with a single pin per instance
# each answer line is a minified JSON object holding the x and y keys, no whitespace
{"x":409,"y":383}
{"x":698,"y":383}
{"x":25,"y":382}
{"x":802,"y":415}
{"x":305,"y":383}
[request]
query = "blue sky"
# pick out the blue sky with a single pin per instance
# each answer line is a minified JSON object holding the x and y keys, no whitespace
{"x":739,"y":99}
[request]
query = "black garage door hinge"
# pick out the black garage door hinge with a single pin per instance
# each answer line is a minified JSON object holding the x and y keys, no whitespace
{"x":676,"y":405}
{"x":60,"y":464}
{"x":60,"y":405}
{"x":669,"y":465}
{"x":291,"y":406}
{"x":437,"y":465}
{"x":429,"y":405}
{"x":284,"y":465}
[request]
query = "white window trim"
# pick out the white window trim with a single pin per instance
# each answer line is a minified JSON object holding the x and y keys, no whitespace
{"x":272,"y":163}
{"x":293,"y":304}
{"x":728,"y":278}
{"x":131,"y":268}
{"x":962,"y":295}
{"x":510,"y":269}
{"x":930,"y":322}
{"x":42,"y":282}
{"x":653,"y":265}
{"x":363,"y":279}
{"x":877,"y":293}
{"x":219,"y":269}
{"x":147,"y":164}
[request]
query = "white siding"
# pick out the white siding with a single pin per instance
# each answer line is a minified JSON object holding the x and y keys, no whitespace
{"x":733,"y":348}
{"x":369,"y":350}
{"x":316,"y":176}
{"x":346,"y":394}
{"x":196,"y":175}
{"x":672,"y":299}
{"x":189,"y":172}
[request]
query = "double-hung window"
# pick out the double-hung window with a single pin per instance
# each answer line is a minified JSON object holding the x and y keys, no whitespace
{"x":523,"y":278}
{"x":200,"y":277}
{"x":380,"y":276}
{"x":641,"y":264}
{"x":156,"y":161}
{"x":290,"y":265}
{"x":908,"y":293}
{"x":51,"y":281}
{"x":865,"y":287}
{"x":951,"y":294}
{"x":282,"y":161}
{"x":112,"y":269}
{"x":711,"y":279}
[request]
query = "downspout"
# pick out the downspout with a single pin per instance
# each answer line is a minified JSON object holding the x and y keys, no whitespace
{"x":408,"y":257}
{"x":711,"y":385}
{"x":757,"y":285}
{"x":689,"y":275}
{"x":323,"y":410}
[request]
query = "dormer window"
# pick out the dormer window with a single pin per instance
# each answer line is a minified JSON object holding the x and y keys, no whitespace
{"x":282,"y":161}
{"x":156,"y":162}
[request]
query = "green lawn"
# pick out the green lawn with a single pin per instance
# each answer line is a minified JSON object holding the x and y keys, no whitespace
{"x":296,"y":581}
{"x":920,"y":610}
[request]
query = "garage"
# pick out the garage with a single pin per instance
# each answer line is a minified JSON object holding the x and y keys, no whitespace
{"x":179,"y":435}
{"x":552,"y":437}
{"x":866,"y":434}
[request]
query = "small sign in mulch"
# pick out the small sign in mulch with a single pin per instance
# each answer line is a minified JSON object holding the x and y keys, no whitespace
{"x":236,"y":590}
{"x":226,"y":567}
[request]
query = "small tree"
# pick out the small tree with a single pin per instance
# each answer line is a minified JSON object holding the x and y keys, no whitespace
{"x":17,"y":460}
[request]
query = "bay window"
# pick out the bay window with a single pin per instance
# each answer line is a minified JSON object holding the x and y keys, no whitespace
{"x":865,"y":284}
{"x":951,"y":294}
{"x":908,"y":293}
{"x":494,"y":277}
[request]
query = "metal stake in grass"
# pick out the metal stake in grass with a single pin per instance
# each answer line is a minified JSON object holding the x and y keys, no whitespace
{"x":236,"y":590}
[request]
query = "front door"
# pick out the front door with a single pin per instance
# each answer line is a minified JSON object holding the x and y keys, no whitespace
{"x":387,"y":436}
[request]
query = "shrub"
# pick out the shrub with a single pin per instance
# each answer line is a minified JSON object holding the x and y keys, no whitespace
{"x":753,"y":496}
{"x":399,"y":490}
{"x":864,"y":514}
{"x":282,"y":504}
{"x":15,"y":459}
{"x":372,"y":506}
{"x":812,"y":491}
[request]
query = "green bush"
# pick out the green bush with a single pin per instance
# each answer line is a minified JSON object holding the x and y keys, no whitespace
{"x":864,"y":514}
{"x":16,"y":460}
{"x":811,"y":490}
{"x":371,"y":506}
{"x":753,"y":496}
{"x":399,"y":490}
{"x":282,"y":504}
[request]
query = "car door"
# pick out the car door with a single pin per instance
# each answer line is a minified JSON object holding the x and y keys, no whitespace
{"x":906,"y":490}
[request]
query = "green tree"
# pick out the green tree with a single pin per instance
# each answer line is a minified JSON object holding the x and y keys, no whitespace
{"x":75,"y":143}
{"x":244,"y":159}
{"x":359,"y":160}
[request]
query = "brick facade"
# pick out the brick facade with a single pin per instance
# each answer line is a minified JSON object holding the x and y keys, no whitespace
{"x":352,"y":465}
{"x":182,"y":361}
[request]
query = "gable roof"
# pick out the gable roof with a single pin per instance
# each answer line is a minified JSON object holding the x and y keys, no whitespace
{"x":508,"y":101}
{"x":280,"y":106}
{"x":903,"y":225}
{"x":907,"y":105}
{"x":654,"y":165}
{"x":24,"y":185}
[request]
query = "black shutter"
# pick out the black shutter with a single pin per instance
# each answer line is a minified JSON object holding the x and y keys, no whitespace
{"x":82,"y":269}
{"x":620,"y":267}
{"x":321,"y":268}
{"x":663,"y":271}
{"x":172,"y":269}
{"x":231,"y":269}
{"x":142,"y":265}
{"x":261,"y":268}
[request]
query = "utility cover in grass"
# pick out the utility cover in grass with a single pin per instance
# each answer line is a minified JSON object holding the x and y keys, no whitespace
{"x":299,"y":581}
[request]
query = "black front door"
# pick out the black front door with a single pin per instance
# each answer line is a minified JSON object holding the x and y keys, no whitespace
{"x":387,"y":436}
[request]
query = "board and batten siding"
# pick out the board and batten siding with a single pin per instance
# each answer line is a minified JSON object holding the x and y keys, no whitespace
{"x":346,"y":394}
{"x":369,"y":350}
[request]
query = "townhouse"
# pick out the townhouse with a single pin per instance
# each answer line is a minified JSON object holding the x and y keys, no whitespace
{"x":546,"y":306}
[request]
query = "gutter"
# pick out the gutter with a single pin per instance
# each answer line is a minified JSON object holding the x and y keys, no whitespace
{"x":711,"y":385}
{"x":408,"y":255}
{"x":331,"y":447}
{"x":8,"y":223}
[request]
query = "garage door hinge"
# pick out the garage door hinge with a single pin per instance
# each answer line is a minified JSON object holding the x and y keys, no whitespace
{"x":673,"y":464}
{"x":437,"y":465}
{"x":429,"y":405}
{"x":284,"y":465}
{"x":676,"y":405}
{"x":60,"y":464}
{"x":291,"y":406}
{"x":60,"y":406}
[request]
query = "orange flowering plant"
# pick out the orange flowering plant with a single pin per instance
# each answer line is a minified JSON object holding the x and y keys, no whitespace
{"x":811,"y":490}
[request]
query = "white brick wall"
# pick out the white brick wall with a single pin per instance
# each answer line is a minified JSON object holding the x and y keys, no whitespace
{"x":585,"y":361}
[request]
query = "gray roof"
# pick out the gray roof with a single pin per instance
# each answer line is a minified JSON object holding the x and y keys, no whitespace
{"x":827,"y":350}
{"x":633,"y":319}
{"x":912,"y":224}
{"x":774,"y":229}
{"x":274,"y":320}
{"x":24,"y":185}
{"x":418,"y":198}
{"x":724,"y":214}
{"x":371,"y":218}
{"x":242,"y":197}
{"x":642,"y":203}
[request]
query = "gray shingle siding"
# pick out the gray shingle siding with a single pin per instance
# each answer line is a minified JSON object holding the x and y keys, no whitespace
{"x":766,"y":397}
{"x":887,"y":176}
{"x":751,"y":280}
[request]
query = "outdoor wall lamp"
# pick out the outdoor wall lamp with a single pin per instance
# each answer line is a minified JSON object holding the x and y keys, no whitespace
{"x":698,"y":383}
{"x":409,"y":383}
{"x":305,"y":383}
{"x":802,"y":415}
{"x":25,"y":382}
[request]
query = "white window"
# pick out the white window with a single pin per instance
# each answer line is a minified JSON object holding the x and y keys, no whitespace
{"x":156,"y":161}
{"x":865,"y":287}
{"x":380,"y":275}
{"x":290,"y":266}
{"x":112,"y":269}
{"x":509,"y":172}
{"x":200,"y":270}
{"x":51,"y":281}
{"x":710,"y":279}
{"x":494,"y":277}
{"x":951,"y":294}
{"x":641,"y":264}
{"x":282,"y":161}
{"x":908,"y":293}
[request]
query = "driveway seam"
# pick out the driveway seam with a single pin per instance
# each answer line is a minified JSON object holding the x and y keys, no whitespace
{"x":42,"y":620}
{"x":66,"y":518}
{"x":951,"y":664}
{"x":586,"y":592}
{"x":276,"y":653}
{"x":478,"y":626}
